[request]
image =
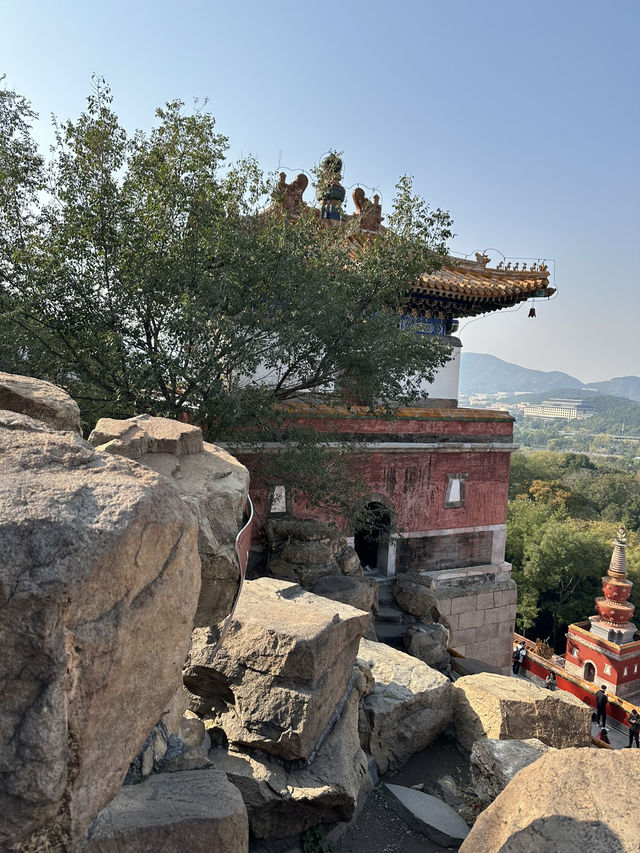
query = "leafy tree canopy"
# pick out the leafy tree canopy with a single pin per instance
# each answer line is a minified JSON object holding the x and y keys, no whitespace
{"x":561,"y":521}
{"x":143,"y":274}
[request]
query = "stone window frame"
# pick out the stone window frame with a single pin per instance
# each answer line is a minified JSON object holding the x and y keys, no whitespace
{"x":451,"y":478}
{"x":288,"y":510}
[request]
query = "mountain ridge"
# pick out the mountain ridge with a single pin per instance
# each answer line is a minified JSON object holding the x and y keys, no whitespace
{"x":481,"y":373}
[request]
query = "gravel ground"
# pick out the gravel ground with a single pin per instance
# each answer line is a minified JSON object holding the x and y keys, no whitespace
{"x":378,"y":829}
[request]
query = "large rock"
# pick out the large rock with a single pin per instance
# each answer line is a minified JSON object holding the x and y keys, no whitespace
{"x":413,"y":594}
{"x":429,"y":643}
{"x":213,"y":483}
{"x":408,"y":708}
{"x":305,"y":551}
{"x":198,"y":812}
{"x":39,"y":399}
{"x":428,"y":815}
{"x":361,"y":593}
{"x":282,"y":802}
{"x":501,"y":707}
{"x":99,"y":579}
{"x":571,"y":801}
{"x":282,"y":669}
{"x":494,"y":763}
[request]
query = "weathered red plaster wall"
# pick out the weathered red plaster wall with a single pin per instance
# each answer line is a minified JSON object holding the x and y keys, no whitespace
{"x":414,"y":482}
{"x":450,"y":422}
{"x":415,"y":485}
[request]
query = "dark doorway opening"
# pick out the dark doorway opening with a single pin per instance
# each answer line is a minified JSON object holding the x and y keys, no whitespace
{"x":372,"y":536}
{"x":589,"y":671}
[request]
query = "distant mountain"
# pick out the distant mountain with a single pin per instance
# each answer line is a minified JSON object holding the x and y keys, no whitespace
{"x":623,"y":386}
{"x":486,"y":374}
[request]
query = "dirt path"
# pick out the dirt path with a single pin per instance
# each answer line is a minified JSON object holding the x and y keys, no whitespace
{"x":378,"y":829}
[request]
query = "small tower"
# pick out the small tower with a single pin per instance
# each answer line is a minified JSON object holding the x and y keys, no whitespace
{"x":607,"y":648}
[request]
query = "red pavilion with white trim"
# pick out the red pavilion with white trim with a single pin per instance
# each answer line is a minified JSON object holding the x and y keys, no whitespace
{"x":606,"y":649}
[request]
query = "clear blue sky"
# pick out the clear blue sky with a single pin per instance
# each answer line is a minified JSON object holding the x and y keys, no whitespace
{"x":522,"y":119}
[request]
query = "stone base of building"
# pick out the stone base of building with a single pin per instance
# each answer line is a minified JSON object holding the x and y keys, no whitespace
{"x":480,"y":604}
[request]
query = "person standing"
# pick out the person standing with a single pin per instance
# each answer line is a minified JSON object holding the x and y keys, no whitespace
{"x":601,"y":706}
{"x":523,"y":653}
{"x":515,"y":659}
{"x":634,"y":728}
{"x":550,"y":681}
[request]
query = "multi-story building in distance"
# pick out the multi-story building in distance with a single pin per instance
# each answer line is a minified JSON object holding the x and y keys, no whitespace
{"x":569,"y":410}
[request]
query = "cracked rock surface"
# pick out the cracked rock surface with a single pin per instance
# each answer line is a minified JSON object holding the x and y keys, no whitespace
{"x":99,"y":580}
{"x":210,"y":481}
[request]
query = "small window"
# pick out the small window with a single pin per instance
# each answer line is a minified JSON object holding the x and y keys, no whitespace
{"x":635,"y":667}
{"x":454,"y":496}
{"x":607,"y":669}
{"x":279,"y":500}
{"x":626,"y":671}
{"x":574,"y":652}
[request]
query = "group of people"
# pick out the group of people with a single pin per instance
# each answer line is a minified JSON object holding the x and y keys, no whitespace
{"x":633,"y":720}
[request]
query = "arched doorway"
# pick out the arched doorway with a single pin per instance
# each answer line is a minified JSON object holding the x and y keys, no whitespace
{"x":373,"y":536}
{"x":589,"y":671}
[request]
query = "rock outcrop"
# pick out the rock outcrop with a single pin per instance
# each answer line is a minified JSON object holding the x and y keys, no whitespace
{"x":283,"y":801}
{"x":429,"y":643}
{"x":409,"y":706}
{"x":567,"y":802}
{"x":282,"y":670}
{"x":211,"y":482}
{"x":501,"y":707}
{"x":99,"y":580}
{"x":358,"y":592}
{"x":494,"y":763}
{"x":413,"y":594}
{"x":198,"y":812}
{"x":40,"y":400}
{"x":305,"y":550}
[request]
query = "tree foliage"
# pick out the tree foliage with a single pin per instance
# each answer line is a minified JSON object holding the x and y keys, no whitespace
{"x":142,"y":273}
{"x":562,"y":518}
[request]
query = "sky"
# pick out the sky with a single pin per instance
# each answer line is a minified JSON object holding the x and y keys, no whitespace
{"x":521,"y":119}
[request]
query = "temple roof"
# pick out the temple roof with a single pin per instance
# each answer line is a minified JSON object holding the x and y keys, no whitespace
{"x":460,"y":288}
{"x":466,"y":288}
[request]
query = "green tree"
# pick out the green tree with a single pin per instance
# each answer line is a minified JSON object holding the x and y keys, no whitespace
{"x":21,"y":182}
{"x":562,"y":571}
{"x":153,"y":279}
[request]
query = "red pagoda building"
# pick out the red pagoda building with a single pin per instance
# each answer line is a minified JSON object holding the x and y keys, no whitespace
{"x":606,"y":649}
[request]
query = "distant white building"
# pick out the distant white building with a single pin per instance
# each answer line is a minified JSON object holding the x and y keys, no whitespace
{"x":568,"y":410}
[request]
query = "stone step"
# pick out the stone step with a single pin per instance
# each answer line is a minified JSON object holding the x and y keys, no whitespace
{"x":388,"y":613}
{"x":390,"y":632}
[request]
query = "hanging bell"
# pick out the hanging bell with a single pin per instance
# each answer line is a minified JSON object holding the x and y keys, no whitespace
{"x":532,"y":312}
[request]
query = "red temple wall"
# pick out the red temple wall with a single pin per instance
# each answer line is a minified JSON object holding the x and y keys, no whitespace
{"x":599,"y":659}
{"x":414,"y":485}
